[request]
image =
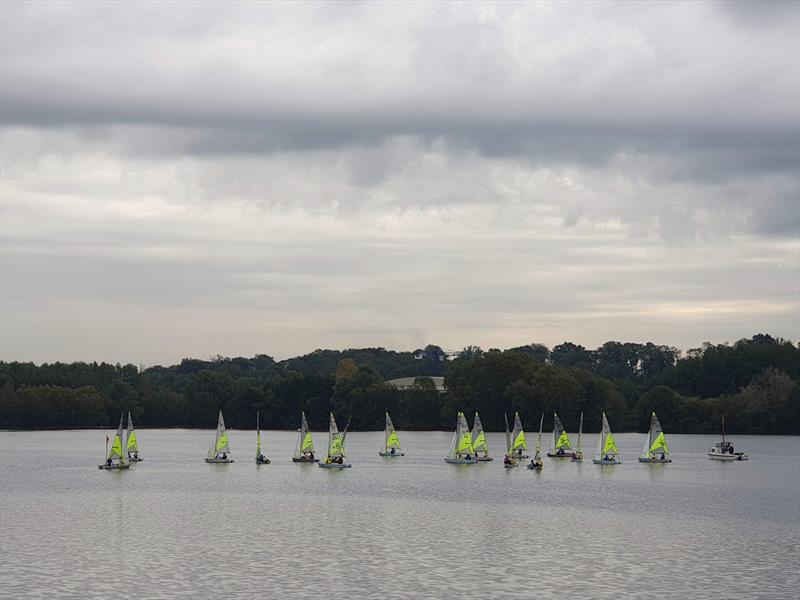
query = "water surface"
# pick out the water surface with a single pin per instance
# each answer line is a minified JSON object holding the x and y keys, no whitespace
{"x":176,"y":527}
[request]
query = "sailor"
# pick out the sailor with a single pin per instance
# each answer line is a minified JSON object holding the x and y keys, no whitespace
{"x":560,"y":451}
{"x":224,"y":456}
{"x":392,"y":451}
{"x":108,"y":462}
{"x":662,"y":456}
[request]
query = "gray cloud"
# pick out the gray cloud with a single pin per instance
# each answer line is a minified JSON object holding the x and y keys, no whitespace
{"x":264,"y":177}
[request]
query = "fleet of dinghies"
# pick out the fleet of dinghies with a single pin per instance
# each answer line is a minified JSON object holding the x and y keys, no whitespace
{"x":468,"y":446}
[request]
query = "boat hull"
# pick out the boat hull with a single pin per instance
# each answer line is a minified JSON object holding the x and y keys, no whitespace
{"x":133,"y":460}
{"x":485,"y":458}
{"x":510,"y":466}
{"x":461,"y":461}
{"x":219,"y":461}
{"x":606,"y":462}
{"x":655,"y":460}
{"x":114,"y":467}
{"x":266,"y":461}
{"x":390,"y":455}
{"x":727,"y":457}
{"x":305,"y":460}
{"x":323,"y":465}
{"x":565,"y":455}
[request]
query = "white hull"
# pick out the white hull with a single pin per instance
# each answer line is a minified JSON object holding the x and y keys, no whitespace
{"x":390,"y":455}
{"x":133,"y":460}
{"x":323,"y":465}
{"x":606,"y":462}
{"x":219,"y":461}
{"x":655,"y":460}
{"x":728,"y":457}
{"x":461,"y":461}
{"x":266,"y":461}
{"x":485,"y":458}
{"x":305,"y":460}
{"x":565,"y":455}
{"x":114,"y":467}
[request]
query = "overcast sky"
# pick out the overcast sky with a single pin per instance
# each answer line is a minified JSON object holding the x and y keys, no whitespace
{"x":199,"y":179}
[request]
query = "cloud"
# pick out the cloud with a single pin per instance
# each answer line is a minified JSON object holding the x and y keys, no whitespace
{"x":264,"y":177}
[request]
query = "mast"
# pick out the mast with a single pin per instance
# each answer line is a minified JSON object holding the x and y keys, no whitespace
{"x":508,"y":435}
{"x":539,"y":439}
{"x":580,"y":436}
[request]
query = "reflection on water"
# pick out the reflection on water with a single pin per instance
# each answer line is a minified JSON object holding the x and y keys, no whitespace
{"x":174,"y":526}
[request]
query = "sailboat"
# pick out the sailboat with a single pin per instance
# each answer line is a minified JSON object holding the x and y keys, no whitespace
{"x":578,"y":455}
{"x":304,"y":451}
{"x":508,"y":435}
{"x":220,"y":452}
{"x":479,"y":444}
{"x":607,"y":452}
{"x":655,"y":449}
{"x":518,"y":447}
{"x":260,"y":458}
{"x":115,"y":459}
{"x":392,"y":445}
{"x":336,"y":455}
{"x":724,"y":450}
{"x":536,"y":464}
{"x":131,"y":443}
{"x":461,"y":452}
{"x":561,"y":442}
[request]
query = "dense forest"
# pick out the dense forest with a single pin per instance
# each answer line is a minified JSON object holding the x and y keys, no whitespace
{"x":754,"y":382}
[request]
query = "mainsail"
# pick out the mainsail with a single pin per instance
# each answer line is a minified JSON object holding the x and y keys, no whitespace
{"x":538,"y":456}
{"x":335,"y":439}
{"x":392,"y":440}
{"x":560,"y":437}
{"x":115,"y":453}
{"x":462,"y":439}
{"x":131,"y":444}
{"x":655,"y":441}
{"x":479,"y":444}
{"x":258,"y":435}
{"x":518,"y":435}
{"x":606,"y":446}
{"x":304,"y":441}
{"x":579,"y":445}
{"x":220,"y":440}
{"x":508,"y":435}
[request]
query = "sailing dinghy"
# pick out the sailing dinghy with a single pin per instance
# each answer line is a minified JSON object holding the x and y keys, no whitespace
{"x":536,"y":463}
{"x":220,"y":452}
{"x":391,"y":447}
{"x":304,"y":451}
{"x":607,"y":452}
{"x":519,"y":449}
{"x":115,"y":459}
{"x":131,"y":443}
{"x":724,"y":450}
{"x":260,"y":458}
{"x":336,"y":455}
{"x":461,"y":452}
{"x":655,"y":449}
{"x":561,"y":445}
{"x":578,"y":456}
{"x":479,"y":444}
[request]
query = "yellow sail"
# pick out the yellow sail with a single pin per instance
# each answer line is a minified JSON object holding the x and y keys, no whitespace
{"x":116,"y":448}
{"x":660,"y":442}
{"x":610,"y":447}
{"x":393,"y":442}
{"x":132,"y":441}
{"x":563,"y":441}
{"x":308,"y":443}
{"x":222,"y":442}
{"x":520,"y":441}
{"x":465,"y":444}
{"x":336,"y":446}
{"x":480,"y":441}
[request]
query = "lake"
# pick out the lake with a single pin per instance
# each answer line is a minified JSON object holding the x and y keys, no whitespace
{"x":413,"y":527}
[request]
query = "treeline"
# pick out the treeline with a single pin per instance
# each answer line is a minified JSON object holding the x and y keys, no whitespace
{"x":754,"y":382}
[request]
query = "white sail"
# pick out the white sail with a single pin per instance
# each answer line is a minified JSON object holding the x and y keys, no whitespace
{"x":508,"y":435}
{"x":606,"y":446}
{"x":221,"y":445}
{"x":131,"y":441}
{"x":335,"y":439}
{"x":479,"y":443}
{"x":538,"y":454}
{"x":579,"y":445}
{"x":560,"y":437}
{"x":116,"y":452}
{"x":304,"y":441}
{"x":390,"y":434}
{"x":461,"y":446}
{"x":258,"y":435}
{"x":655,"y":444}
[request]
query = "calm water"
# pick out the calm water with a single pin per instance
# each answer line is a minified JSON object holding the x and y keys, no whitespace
{"x":176,"y":527}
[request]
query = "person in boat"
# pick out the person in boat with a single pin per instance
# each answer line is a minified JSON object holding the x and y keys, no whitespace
{"x":662,"y":456}
{"x":534,"y":464}
{"x":507,"y":460}
{"x":560,"y":452}
{"x":108,"y":462}
{"x":391,"y":451}
{"x":606,"y":457}
{"x":340,"y":461}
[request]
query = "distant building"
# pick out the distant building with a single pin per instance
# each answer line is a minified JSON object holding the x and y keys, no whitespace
{"x":407,"y":383}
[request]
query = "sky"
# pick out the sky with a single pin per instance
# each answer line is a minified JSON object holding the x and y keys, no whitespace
{"x":199,"y":179}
